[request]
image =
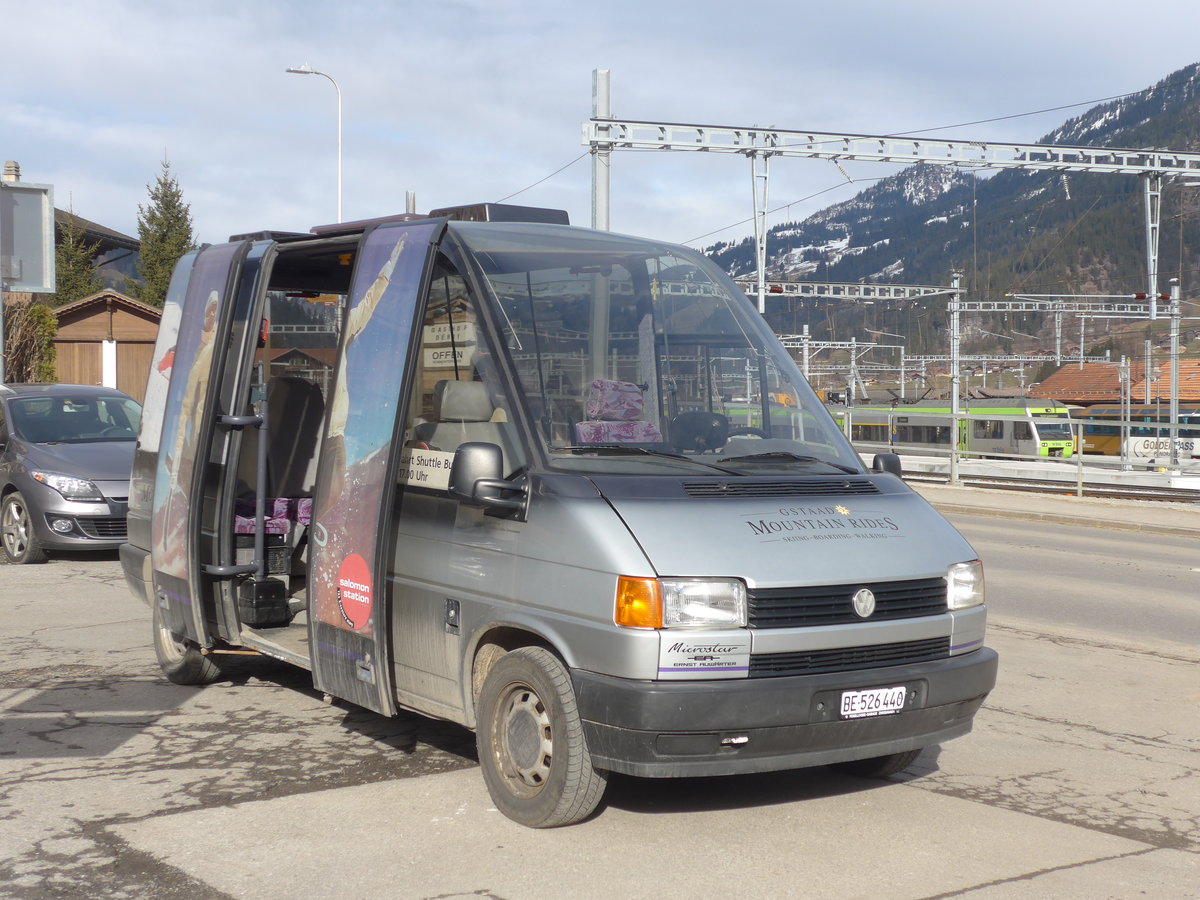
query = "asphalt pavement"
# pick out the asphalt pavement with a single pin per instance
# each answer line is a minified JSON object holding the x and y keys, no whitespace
{"x":1182,"y":519}
{"x":115,"y":783}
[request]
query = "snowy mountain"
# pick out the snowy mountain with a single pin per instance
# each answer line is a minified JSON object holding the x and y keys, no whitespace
{"x":1038,"y":232}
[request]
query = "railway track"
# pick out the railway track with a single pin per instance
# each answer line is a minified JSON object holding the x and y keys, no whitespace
{"x":1090,"y":489}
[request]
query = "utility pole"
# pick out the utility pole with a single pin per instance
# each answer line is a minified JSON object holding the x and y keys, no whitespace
{"x":601,"y":154}
{"x":1174,"y":388}
{"x":955,"y":304}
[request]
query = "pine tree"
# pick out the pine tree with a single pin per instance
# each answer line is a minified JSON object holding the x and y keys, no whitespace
{"x":75,"y":276}
{"x":165,"y":232}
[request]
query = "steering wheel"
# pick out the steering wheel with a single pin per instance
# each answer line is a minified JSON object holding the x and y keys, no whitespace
{"x":752,"y":432}
{"x":113,"y":430}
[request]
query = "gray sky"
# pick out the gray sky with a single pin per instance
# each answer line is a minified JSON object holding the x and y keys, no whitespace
{"x":464,"y":101}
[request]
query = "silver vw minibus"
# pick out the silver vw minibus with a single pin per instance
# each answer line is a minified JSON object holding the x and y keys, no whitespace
{"x":561,"y":486}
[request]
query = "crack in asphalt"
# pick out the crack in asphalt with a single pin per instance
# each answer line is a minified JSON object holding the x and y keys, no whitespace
{"x":159,"y":760}
{"x":1135,"y":811}
{"x":1038,"y":873}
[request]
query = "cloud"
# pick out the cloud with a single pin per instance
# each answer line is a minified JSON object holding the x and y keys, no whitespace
{"x":466,"y":101}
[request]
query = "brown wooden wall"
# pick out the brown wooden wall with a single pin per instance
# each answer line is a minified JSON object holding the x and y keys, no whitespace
{"x":133,"y":367}
{"x":78,"y":362}
{"x":84,"y":326}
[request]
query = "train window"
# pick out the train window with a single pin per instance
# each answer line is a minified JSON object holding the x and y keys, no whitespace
{"x":1021,"y":431}
{"x":1095,"y":428}
{"x":989,"y":429}
{"x":868,"y":432}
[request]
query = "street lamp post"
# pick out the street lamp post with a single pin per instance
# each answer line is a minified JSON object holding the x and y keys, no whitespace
{"x":308,"y":70}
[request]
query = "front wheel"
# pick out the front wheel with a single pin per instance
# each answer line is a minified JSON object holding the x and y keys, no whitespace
{"x":878,"y":766}
{"x":16,"y":532}
{"x":180,"y":659}
{"x":532,"y":749}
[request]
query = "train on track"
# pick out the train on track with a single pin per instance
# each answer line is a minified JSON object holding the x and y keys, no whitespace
{"x":1149,"y":433}
{"x":993,"y":427}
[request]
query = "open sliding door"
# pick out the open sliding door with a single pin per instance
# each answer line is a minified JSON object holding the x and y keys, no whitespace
{"x":188,"y":370}
{"x":356,"y":477}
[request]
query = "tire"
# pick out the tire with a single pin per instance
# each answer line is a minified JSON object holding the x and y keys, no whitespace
{"x":180,"y":659}
{"x":532,"y":749}
{"x":878,"y":766}
{"x":16,"y":532}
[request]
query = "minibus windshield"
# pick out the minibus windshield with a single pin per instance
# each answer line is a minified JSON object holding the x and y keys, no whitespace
{"x":623,"y":346}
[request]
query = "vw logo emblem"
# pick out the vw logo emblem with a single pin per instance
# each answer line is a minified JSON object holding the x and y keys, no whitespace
{"x":864,"y":603}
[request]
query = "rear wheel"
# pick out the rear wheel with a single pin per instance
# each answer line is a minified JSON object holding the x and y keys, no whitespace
{"x":532,"y":750}
{"x":878,"y":766}
{"x":180,"y":659}
{"x":16,"y":532}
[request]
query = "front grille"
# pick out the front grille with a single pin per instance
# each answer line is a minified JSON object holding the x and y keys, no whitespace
{"x":802,"y":607}
{"x":106,"y":528}
{"x":817,"y":487}
{"x":845,"y":659}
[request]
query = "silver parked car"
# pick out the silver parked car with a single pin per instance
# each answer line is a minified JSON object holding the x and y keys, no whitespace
{"x":66,"y":451}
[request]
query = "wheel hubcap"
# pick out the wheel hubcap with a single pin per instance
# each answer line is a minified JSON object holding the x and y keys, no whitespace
{"x":16,"y":528}
{"x":526,"y":738}
{"x":173,"y":648}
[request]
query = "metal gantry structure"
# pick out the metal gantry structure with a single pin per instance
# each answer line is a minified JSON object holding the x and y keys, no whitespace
{"x":603,"y":134}
{"x":844,"y":290}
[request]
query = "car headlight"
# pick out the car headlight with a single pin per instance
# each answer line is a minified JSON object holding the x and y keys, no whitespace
{"x":680,"y":603}
{"x":964,"y":585}
{"x":70,"y":487}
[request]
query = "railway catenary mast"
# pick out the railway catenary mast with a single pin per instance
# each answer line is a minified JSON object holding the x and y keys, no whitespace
{"x":603,"y":134}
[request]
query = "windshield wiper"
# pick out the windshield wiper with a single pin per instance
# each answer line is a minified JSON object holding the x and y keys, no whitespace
{"x":787,"y":455}
{"x":624,"y":449}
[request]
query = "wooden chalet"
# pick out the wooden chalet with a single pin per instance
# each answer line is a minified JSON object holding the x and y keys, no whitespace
{"x":106,"y":339}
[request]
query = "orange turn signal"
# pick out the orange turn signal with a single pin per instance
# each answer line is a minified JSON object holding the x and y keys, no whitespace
{"x":639,"y":603}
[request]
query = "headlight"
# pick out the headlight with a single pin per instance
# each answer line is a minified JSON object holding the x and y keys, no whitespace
{"x":964,"y":585}
{"x":703,"y":603}
{"x":70,"y":487}
{"x":680,"y":603}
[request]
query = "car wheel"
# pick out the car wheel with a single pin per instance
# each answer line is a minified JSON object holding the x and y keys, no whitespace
{"x":16,"y":532}
{"x":180,"y":659}
{"x":878,"y":766}
{"x":532,"y":749}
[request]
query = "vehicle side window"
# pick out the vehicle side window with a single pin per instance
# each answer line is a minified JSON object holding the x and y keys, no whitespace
{"x":1021,"y":431}
{"x":457,"y":394}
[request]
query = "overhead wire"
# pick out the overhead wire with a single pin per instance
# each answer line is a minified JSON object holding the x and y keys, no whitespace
{"x":1035,"y":112}
{"x":547,"y":178}
{"x":848,"y":180}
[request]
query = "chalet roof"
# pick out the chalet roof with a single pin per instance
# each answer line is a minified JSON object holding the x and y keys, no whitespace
{"x":104,"y":298}
{"x":1160,"y":389}
{"x":1001,"y":393}
{"x":1095,"y":382}
{"x":325,"y":356}
{"x":107,"y":238}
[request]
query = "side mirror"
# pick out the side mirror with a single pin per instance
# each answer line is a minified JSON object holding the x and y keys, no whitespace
{"x":475,"y":477}
{"x":887,"y":462}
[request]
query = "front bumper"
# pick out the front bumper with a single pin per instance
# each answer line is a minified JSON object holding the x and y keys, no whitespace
{"x":93,"y":526}
{"x":678,"y":729}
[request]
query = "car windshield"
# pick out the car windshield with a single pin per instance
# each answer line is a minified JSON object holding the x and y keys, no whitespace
{"x":78,"y":419}
{"x":636,"y":356}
